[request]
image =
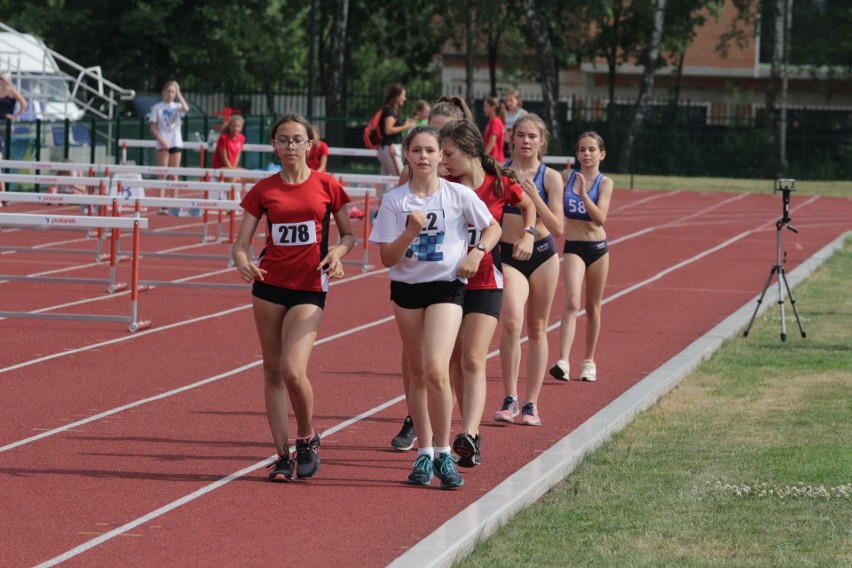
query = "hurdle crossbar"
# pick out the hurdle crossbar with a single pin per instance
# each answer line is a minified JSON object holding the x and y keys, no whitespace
{"x":116,"y":223}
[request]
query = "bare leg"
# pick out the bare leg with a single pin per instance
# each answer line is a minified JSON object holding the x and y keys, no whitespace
{"x":573,"y":271}
{"x":543,"y":284}
{"x":514,"y":298}
{"x":596,"y":275}
{"x":286,"y":340}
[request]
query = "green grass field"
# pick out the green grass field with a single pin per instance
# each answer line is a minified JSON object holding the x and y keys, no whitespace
{"x":747,"y":463}
{"x":828,"y":188}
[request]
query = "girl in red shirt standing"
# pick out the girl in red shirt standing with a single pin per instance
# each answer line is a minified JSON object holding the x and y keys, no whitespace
{"x":466,"y":163}
{"x":495,"y":131}
{"x":290,"y":282}
{"x":318,"y":154}
{"x":230,"y":144}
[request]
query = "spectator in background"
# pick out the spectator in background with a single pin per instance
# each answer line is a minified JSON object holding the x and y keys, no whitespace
{"x":514,"y":110}
{"x":230,"y":144}
{"x":318,"y":154}
{"x":392,"y":127}
{"x":9,"y":98}
{"x":495,"y":131}
{"x":421,"y":114}
{"x":165,"y":124}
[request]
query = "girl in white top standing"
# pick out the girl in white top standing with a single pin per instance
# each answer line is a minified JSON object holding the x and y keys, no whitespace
{"x":165,"y":124}
{"x":588,"y":194}
{"x":422,"y":230}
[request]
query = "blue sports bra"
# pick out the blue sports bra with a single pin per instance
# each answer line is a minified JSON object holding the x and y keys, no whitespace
{"x":573,"y":203}
{"x":538,"y":180}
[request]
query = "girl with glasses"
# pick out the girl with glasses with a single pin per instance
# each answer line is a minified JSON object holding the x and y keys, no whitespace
{"x":290,"y":283}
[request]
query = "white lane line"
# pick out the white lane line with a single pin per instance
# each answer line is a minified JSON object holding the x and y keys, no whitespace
{"x":158,"y":328}
{"x":200,"y":492}
{"x":178,"y":390}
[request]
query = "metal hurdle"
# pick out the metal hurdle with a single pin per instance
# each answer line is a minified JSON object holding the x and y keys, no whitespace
{"x":61,"y":199}
{"x":368,"y":193}
{"x":123,"y":187}
{"x":114,"y":223}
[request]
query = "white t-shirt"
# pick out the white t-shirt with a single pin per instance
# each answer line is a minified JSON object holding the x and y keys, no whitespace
{"x":167,"y":118}
{"x":435,"y":254}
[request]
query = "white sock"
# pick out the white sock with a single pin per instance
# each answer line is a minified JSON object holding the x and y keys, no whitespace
{"x":440,"y":451}
{"x":426,"y":452}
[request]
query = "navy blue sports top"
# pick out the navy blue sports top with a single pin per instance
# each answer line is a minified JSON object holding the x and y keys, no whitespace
{"x":573,"y":203}
{"x":538,"y":180}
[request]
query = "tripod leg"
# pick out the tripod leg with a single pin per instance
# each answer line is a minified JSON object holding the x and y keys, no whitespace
{"x":781,"y":304}
{"x":760,"y":300}
{"x":783,"y":275}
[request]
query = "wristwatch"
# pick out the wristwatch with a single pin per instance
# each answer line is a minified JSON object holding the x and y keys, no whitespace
{"x":531,"y":230}
{"x":482,"y":247}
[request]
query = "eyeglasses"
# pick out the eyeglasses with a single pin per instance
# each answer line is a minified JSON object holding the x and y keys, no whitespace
{"x":284,"y":143}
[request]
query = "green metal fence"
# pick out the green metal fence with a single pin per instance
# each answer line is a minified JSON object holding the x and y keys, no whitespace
{"x":687,"y":140}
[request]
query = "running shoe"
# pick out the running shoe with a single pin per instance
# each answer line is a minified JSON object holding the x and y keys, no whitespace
{"x":529,"y":415}
{"x":467,"y":448}
{"x":282,"y":469}
{"x":307,"y":456}
{"x":445,"y":469}
{"x":423,"y":472}
{"x":559,"y":370}
{"x":406,"y":438}
{"x":588,"y":372}
{"x":509,"y":410}
{"x":355,"y":213}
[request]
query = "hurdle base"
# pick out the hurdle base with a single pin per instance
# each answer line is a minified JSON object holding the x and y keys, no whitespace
{"x":139,"y":325}
{"x":117,"y":287}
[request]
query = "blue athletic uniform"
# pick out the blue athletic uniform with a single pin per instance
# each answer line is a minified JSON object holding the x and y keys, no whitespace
{"x":573,"y":203}
{"x":538,"y":180}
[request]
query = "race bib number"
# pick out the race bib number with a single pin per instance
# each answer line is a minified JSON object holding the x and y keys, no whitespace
{"x":577,"y":206}
{"x":294,"y":234}
{"x":473,"y":236}
{"x":429,"y":245}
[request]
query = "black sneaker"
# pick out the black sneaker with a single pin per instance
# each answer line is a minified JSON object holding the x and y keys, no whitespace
{"x":445,"y":469}
{"x":282,"y":469}
{"x":476,"y":457}
{"x":467,"y":448}
{"x":307,"y":456}
{"x":406,"y":438}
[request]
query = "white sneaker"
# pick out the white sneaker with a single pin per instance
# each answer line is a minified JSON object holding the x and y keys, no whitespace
{"x":588,"y":371}
{"x":559,"y":370}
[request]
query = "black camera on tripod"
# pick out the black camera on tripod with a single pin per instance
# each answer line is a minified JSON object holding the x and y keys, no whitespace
{"x":785,"y":186}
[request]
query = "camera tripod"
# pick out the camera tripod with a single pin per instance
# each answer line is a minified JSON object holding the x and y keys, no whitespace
{"x":786,"y":186}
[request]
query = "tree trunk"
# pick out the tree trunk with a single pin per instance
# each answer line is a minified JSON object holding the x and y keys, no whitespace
{"x":493,"y":50}
{"x":612,"y":70}
{"x":470,"y":53}
{"x":785,"y":77}
{"x":770,"y":163}
{"x":336,"y":78}
{"x":540,"y":36}
{"x":637,"y":115}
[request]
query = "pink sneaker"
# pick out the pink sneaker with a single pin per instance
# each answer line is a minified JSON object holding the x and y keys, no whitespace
{"x":529,"y":415}
{"x":509,"y":410}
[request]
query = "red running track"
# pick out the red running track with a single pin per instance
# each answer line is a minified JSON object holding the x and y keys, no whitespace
{"x":148,"y":448}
